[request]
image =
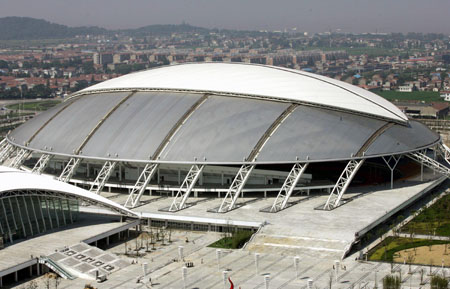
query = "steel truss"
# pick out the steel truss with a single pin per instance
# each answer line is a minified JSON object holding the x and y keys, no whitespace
{"x":141,"y":184}
{"x":41,"y":164}
{"x":5,"y":150}
{"x":288,"y":187}
{"x":342,"y":184}
{"x":179,"y":202}
{"x":69,"y":170}
{"x":235,"y":189}
{"x":64,"y":196}
{"x":444,"y":151}
{"x":392,"y":162}
{"x":429,"y":162}
{"x":21,"y":156}
{"x":102,"y":177}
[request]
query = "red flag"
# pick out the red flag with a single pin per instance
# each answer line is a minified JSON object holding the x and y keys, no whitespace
{"x":232,"y":285}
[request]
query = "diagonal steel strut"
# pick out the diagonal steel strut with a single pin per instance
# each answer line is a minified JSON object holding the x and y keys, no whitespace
{"x":288,"y":187}
{"x":179,"y":202}
{"x":102,"y":177}
{"x":342,"y":184}
{"x":140,"y":185}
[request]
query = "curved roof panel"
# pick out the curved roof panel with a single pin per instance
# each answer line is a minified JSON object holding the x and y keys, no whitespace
{"x":398,"y":139}
{"x":319,"y":134}
{"x":258,"y":80}
{"x":191,"y":127}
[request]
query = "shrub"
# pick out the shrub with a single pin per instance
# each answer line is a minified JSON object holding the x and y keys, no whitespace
{"x":438,"y":282}
{"x":391,"y":282}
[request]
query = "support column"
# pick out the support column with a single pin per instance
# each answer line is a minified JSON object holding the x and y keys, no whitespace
{"x":239,"y":181}
{"x":28,"y":215}
{"x":342,"y":184}
{"x":288,"y":187}
{"x":392,"y":162}
{"x":20,"y":216}
{"x":179,"y":202}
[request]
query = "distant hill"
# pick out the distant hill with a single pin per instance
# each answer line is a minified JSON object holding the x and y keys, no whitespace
{"x":25,"y":28}
{"x":161,"y":29}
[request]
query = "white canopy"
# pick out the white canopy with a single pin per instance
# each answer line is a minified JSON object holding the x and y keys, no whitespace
{"x":257,"y":80}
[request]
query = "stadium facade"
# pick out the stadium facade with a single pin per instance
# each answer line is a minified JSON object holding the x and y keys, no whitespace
{"x":223,"y":128}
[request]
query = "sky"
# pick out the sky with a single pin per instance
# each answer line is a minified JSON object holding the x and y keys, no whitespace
{"x":306,"y":15}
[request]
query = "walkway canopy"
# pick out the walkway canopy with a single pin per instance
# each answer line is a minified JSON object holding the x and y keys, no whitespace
{"x":14,"y":182}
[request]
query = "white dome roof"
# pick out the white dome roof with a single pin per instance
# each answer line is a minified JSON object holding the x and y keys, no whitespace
{"x":257,"y":80}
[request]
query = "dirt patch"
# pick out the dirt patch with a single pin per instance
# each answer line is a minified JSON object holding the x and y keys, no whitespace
{"x":423,"y":255}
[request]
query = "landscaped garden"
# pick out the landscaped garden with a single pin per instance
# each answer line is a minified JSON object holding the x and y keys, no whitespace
{"x":434,"y":220}
{"x":235,"y":240}
{"x":411,"y":250}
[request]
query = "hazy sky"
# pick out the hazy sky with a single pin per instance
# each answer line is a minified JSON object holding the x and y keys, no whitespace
{"x":306,"y":15}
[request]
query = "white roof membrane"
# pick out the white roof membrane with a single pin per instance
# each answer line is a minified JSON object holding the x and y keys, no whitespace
{"x":258,"y":80}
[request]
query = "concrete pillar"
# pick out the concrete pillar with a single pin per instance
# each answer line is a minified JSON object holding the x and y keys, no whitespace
{"x":38,"y":269}
{"x":95,"y":243}
{"x":16,"y":276}
{"x":107,"y":241}
{"x":265,"y":194}
{"x":120,"y":172}
{"x":31,"y":270}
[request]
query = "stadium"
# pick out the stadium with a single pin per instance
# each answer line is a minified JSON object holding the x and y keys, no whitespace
{"x":205,"y":146}
{"x":230,"y":127}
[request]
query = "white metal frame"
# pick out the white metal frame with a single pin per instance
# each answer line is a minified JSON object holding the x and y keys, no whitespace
{"x":21,"y":156}
{"x":179,"y":202}
{"x":41,"y":164}
{"x":69,"y":170}
{"x":392,"y":162}
{"x":61,"y":195}
{"x":342,"y":184}
{"x":423,"y":159}
{"x":102,"y":177}
{"x":239,"y":181}
{"x":5,"y":150}
{"x":444,"y":151}
{"x":141,"y":184}
{"x":288,"y":187}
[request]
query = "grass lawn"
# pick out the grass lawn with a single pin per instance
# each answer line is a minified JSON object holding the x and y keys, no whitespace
{"x":235,"y":241}
{"x":426,"y":96}
{"x":35,"y":105}
{"x":432,"y":220}
{"x":386,"y":250}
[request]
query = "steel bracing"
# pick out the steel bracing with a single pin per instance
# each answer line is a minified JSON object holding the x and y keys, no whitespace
{"x":102,"y":177}
{"x":179,"y":202}
{"x":288,"y":187}
{"x":69,"y":170}
{"x":444,"y":151}
{"x":21,"y":156}
{"x":235,"y":189}
{"x":5,"y":150}
{"x":41,"y":164}
{"x":140,"y":185}
{"x":392,"y":162}
{"x":342,"y":184}
{"x":429,"y":162}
